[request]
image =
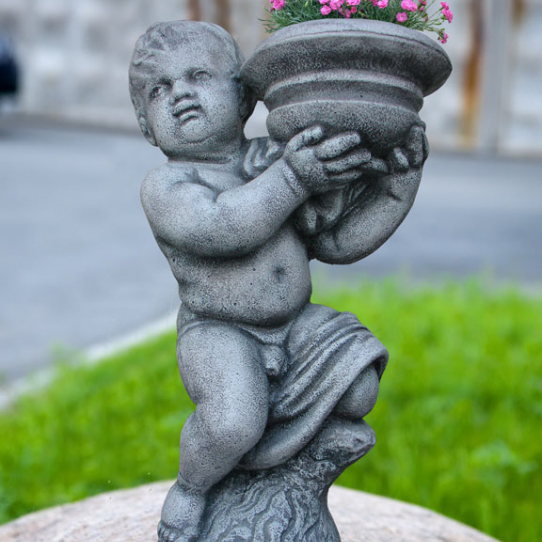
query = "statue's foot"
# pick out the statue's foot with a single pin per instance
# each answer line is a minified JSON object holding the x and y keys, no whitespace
{"x":171,"y":534}
{"x":181,"y":515}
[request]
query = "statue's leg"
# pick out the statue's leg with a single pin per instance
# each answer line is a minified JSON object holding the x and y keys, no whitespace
{"x":361,"y":360}
{"x":334,"y":363}
{"x":360,"y":398}
{"x":281,"y":492}
{"x":222,"y":371}
{"x":345,"y":432}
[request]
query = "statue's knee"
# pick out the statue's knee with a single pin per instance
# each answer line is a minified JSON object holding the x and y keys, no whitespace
{"x":238,"y":431}
{"x":361,"y":397}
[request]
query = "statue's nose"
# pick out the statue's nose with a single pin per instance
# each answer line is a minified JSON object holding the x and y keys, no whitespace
{"x":181,"y":89}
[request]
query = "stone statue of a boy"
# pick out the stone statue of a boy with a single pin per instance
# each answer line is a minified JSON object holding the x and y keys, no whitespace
{"x":266,"y":369}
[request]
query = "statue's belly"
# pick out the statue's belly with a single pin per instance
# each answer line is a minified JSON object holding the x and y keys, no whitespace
{"x":267,"y":287}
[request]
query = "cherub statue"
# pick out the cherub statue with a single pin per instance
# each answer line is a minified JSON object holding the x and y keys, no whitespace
{"x":275,"y":378}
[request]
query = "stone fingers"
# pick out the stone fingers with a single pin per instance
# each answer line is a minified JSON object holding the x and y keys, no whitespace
{"x":425,"y":147}
{"x":338,"y":145}
{"x":376,"y":166}
{"x":345,"y":178}
{"x":398,"y":160}
{"x":417,"y":147}
{"x":353,"y":160}
{"x":306,"y":138}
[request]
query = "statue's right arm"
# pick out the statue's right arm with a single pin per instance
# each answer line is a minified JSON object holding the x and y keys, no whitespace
{"x":195,"y":219}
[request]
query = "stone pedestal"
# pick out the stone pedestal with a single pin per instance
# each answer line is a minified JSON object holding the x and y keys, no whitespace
{"x":132,"y":516}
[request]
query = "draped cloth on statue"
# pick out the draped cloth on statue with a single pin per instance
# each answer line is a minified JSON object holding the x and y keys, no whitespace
{"x":320,"y":212}
{"x":311,"y":362}
{"x":330,"y":215}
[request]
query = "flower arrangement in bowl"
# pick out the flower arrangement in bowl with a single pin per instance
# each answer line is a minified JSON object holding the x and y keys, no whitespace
{"x":420,"y":15}
{"x":348,"y":65}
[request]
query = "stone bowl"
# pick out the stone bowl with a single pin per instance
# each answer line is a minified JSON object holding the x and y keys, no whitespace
{"x":344,"y":74}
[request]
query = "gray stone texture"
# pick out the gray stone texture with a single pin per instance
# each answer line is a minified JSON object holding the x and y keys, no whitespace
{"x":131,"y":515}
{"x":375,"y":86}
{"x":281,"y":386}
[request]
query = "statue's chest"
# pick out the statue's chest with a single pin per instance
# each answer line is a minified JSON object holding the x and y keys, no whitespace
{"x":219,"y":181}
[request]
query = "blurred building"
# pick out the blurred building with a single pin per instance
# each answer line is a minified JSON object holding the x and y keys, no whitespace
{"x":75,"y":54}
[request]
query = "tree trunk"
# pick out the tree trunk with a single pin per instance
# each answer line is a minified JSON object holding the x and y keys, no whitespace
{"x":223,"y":13}
{"x":287,"y":503}
{"x":194,"y":10}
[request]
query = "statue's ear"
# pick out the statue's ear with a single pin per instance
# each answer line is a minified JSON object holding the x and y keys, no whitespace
{"x":149,"y":136}
{"x":247,"y":102}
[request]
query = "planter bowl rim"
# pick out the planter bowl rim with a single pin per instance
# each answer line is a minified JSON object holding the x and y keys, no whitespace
{"x":391,"y":39}
{"x":331,"y":26}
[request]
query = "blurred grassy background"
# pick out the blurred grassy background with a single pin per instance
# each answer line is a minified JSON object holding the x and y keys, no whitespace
{"x":458,"y":420}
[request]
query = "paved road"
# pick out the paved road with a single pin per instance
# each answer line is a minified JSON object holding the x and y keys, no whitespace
{"x":78,"y":264}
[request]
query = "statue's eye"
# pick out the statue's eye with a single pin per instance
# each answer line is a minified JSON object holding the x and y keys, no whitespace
{"x":155,"y":92}
{"x":201,"y":75}
{"x":161,"y":87}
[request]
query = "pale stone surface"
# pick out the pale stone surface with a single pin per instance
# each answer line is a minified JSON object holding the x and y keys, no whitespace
{"x":132,"y":516}
{"x":73,"y":55}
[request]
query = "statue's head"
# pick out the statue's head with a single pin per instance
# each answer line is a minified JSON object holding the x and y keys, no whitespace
{"x":185,"y":86}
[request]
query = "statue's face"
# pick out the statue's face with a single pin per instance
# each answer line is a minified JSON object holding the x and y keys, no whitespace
{"x":193,"y":102}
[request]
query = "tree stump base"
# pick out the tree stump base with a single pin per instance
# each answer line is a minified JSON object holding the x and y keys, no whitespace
{"x":287,"y":503}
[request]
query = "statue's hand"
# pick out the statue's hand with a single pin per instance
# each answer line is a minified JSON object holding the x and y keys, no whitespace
{"x":402,"y":159}
{"x":412,"y":156}
{"x":261,"y":154}
{"x":405,"y":166}
{"x":321,"y":164}
{"x":376,"y":208}
{"x":417,"y":147}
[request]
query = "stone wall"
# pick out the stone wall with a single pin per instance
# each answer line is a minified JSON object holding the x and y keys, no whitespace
{"x":75,"y":55}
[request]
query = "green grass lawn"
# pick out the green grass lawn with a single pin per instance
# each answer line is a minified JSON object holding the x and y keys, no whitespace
{"x":459,"y":419}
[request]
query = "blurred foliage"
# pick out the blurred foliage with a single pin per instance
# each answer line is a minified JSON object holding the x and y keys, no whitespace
{"x":458,"y":419}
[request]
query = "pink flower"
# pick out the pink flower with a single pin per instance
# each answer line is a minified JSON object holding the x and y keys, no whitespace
{"x":277,"y":4}
{"x":408,"y":12}
{"x":409,"y":5}
{"x":448,"y":15}
{"x":447,"y":12}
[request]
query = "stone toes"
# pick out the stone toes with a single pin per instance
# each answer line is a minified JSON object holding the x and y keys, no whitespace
{"x":168,"y":534}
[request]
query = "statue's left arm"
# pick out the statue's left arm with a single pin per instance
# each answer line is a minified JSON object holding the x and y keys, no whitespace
{"x":371,"y":220}
{"x":262,"y":153}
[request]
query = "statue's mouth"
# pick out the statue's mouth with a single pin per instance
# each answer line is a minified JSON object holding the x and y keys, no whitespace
{"x":186,"y":110}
